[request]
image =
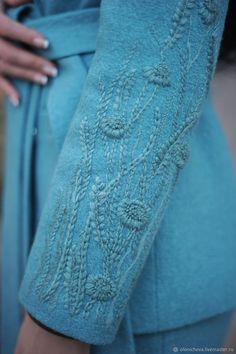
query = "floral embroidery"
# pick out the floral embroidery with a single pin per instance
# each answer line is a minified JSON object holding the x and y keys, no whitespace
{"x":100,"y":288}
{"x":113,"y":127}
{"x":142,"y":147}
{"x":208,"y":12}
{"x":158,"y":75}
{"x":134,"y":214}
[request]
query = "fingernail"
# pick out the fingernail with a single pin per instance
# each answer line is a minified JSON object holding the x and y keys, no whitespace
{"x":14,"y":100}
{"x":41,"y":42}
{"x":52,"y":71}
{"x":41,"y":79}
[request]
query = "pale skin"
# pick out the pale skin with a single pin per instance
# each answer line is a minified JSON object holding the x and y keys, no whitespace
{"x":19,"y":63}
{"x":33,"y":339}
{"x":22,"y":64}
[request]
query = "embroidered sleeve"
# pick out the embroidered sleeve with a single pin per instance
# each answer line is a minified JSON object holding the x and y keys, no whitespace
{"x":128,"y":141}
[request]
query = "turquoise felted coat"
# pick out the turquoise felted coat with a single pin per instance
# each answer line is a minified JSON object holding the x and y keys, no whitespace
{"x":118,"y":178}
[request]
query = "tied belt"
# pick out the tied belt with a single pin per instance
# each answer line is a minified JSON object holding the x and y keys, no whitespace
{"x":68,"y":33}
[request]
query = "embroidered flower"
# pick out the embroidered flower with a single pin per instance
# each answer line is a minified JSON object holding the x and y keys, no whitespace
{"x":113,"y":127}
{"x":158,"y":75}
{"x":100,"y":288}
{"x":134,"y":214}
{"x":182,"y":153}
{"x":208,"y":12}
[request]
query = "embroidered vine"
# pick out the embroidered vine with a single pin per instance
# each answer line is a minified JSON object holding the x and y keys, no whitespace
{"x":208,"y":11}
{"x":143,"y":120}
{"x":179,"y":21}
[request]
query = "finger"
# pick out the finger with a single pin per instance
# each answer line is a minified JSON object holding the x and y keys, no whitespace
{"x":14,"y":30}
{"x":16,"y":56}
{"x":22,"y":73}
{"x":10,"y":91}
{"x":15,"y":2}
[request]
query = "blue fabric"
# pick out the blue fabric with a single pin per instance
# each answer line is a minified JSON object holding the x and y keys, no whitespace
{"x":20,"y":196}
{"x":140,"y":211}
{"x":55,"y":7}
{"x":204,"y":336}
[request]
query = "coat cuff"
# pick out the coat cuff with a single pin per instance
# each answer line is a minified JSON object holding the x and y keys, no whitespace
{"x":40,"y":324}
{"x":84,"y":330}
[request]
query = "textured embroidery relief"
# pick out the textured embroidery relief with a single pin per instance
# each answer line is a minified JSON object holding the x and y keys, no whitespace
{"x":113,"y":127}
{"x":142,"y":132}
{"x":158,"y":75}
{"x":179,"y":21}
{"x":46,"y":263}
{"x":134,"y":214}
{"x":100,"y":288}
{"x":208,"y":11}
{"x":210,"y":60}
{"x":181,"y":154}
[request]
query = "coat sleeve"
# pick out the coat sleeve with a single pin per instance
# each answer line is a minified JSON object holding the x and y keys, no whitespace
{"x":127,"y":143}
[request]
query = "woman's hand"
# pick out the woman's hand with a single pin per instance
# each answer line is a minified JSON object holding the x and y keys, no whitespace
{"x":35,"y":340}
{"x":20,"y":63}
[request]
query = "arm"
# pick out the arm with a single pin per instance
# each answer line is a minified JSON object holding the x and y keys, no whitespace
{"x":128,"y":141}
{"x":33,"y":338}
